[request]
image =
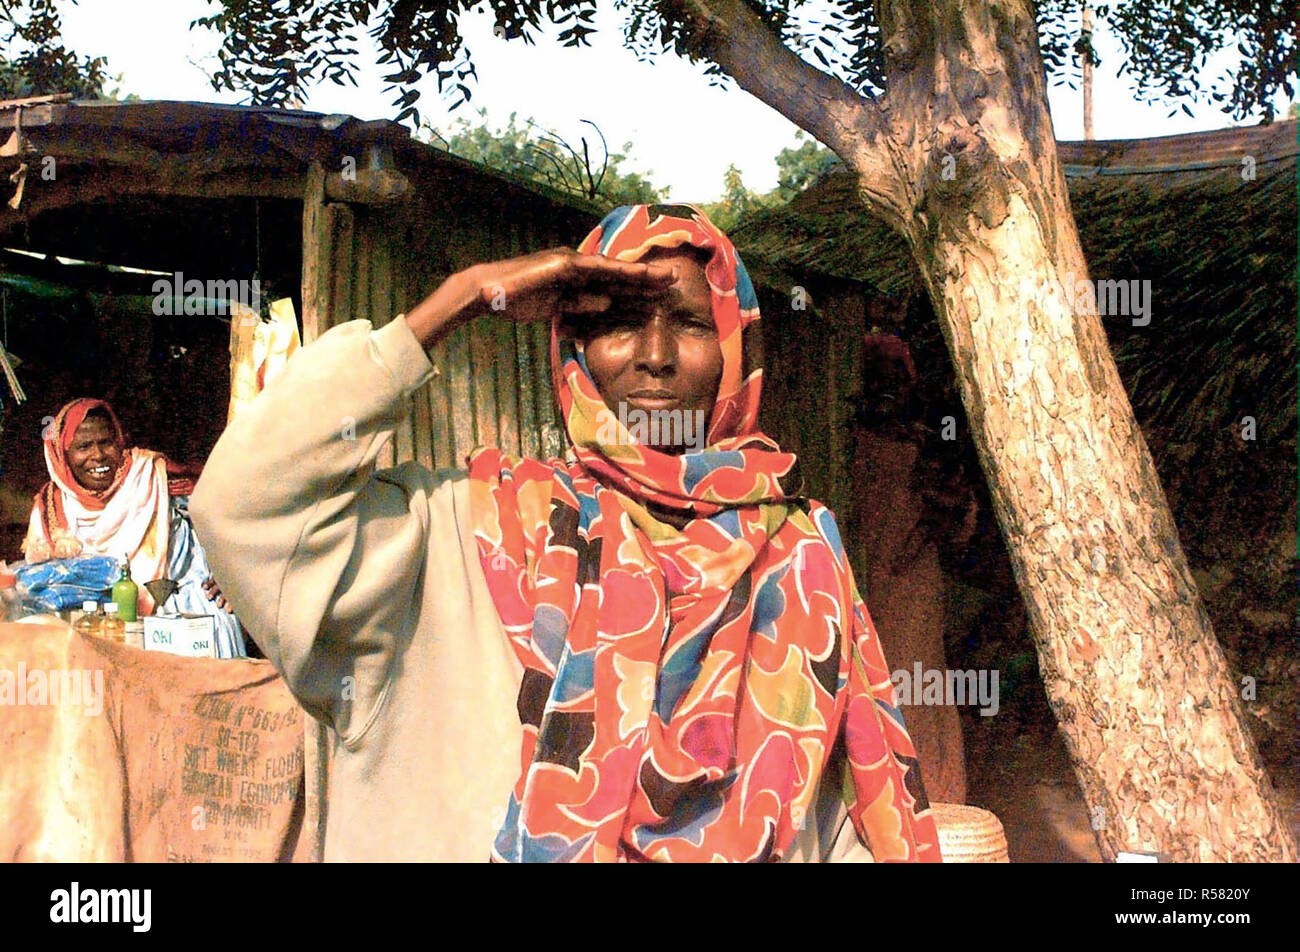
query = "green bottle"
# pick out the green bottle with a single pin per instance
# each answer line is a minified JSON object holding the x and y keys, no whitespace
{"x":125,"y":593}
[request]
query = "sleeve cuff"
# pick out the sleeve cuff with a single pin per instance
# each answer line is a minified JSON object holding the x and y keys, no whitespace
{"x":402,"y":355}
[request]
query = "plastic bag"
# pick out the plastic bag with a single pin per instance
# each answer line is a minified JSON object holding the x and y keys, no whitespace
{"x":11,"y":594}
{"x":65,"y":583}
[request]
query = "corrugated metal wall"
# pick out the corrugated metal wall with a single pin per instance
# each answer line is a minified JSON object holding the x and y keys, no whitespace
{"x":493,"y":385}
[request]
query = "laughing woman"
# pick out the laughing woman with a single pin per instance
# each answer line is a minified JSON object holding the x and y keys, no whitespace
{"x":647,"y":650}
{"x":104,"y":498}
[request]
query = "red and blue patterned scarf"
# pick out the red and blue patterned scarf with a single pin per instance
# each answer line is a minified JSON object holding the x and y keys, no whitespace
{"x":684,"y":689}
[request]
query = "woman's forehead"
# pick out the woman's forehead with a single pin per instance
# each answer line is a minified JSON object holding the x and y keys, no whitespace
{"x":700,"y":255}
{"x":693,"y":262}
{"x":93,"y":427}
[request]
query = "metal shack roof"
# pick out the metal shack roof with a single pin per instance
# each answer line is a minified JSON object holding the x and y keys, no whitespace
{"x":174,"y":138}
{"x":180,"y":185}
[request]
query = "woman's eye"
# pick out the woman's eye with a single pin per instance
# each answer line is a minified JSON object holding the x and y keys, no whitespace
{"x":611,"y":324}
{"x":698,"y":324}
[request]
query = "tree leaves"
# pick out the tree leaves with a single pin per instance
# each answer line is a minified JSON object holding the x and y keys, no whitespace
{"x":275,"y":51}
{"x":36,"y":62}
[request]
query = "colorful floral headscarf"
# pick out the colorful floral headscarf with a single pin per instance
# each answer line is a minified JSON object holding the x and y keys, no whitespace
{"x":684,"y":689}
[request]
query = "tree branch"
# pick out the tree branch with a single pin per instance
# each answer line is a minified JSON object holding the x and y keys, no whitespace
{"x":731,"y":35}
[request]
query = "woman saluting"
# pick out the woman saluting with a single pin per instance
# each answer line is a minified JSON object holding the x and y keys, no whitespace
{"x":644,"y":651}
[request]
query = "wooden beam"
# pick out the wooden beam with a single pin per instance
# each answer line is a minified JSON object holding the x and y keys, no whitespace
{"x":33,"y":100}
{"x":368,"y":187}
{"x":317,"y":237}
{"x":107,"y":148}
{"x":112,"y":184}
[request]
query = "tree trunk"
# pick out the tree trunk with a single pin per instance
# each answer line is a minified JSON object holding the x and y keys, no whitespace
{"x":1132,"y":669}
{"x":960,"y":157}
{"x":1131,"y":666}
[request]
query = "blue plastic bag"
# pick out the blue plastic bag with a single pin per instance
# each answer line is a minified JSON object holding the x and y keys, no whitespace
{"x":66,"y":583}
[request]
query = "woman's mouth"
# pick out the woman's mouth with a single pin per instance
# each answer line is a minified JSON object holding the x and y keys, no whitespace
{"x":652,"y":399}
{"x":99,"y":472}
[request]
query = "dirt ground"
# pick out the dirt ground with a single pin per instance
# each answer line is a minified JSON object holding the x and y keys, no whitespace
{"x":1022,"y":773}
{"x":1026,"y":781}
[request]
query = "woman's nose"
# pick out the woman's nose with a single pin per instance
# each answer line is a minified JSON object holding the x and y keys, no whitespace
{"x":656,"y":351}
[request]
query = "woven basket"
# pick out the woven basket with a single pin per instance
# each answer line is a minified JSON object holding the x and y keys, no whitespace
{"x":969,"y":835}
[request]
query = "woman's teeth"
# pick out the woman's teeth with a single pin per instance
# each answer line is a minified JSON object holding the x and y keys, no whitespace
{"x":99,"y":470}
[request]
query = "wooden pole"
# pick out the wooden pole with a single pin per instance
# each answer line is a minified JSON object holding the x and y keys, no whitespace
{"x":1087,"y":74}
{"x":316,"y":257}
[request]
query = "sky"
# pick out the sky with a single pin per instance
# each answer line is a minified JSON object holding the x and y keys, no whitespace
{"x":684,"y":131}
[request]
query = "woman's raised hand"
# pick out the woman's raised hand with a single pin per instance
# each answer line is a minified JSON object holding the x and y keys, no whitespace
{"x":535,"y":287}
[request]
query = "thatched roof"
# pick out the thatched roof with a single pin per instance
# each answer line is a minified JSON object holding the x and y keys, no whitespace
{"x":1219,"y":250}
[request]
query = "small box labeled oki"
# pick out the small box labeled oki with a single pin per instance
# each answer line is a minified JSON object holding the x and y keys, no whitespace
{"x":194,"y":636}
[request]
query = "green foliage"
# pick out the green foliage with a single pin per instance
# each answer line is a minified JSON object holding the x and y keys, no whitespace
{"x":800,"y":167}
{"x":529,"y":152}
{"x":524,"y":150}
{"x":114,"y":93}
{"x":1167,"y":44}
{"x":737,"y":201}
{"x":36,"y":62}
{"x":275,"y":51}
{"x":797,"y":168}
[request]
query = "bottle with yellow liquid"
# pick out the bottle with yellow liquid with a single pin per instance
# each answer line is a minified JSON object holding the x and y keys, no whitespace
{"x":88,"y":623}
{"x":112,"y":627}
{"x":126,"y":593}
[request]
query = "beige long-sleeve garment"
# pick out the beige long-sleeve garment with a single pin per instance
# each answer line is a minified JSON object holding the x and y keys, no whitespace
{"x":364,"y":589}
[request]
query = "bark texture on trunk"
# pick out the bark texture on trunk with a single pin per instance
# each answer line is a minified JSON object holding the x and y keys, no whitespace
{"x":960,"y":157}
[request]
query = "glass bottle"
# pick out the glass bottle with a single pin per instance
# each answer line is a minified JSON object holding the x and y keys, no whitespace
{"x":125,"y":593}
{"x":112,"y":627}
{"x":88,"y":623}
